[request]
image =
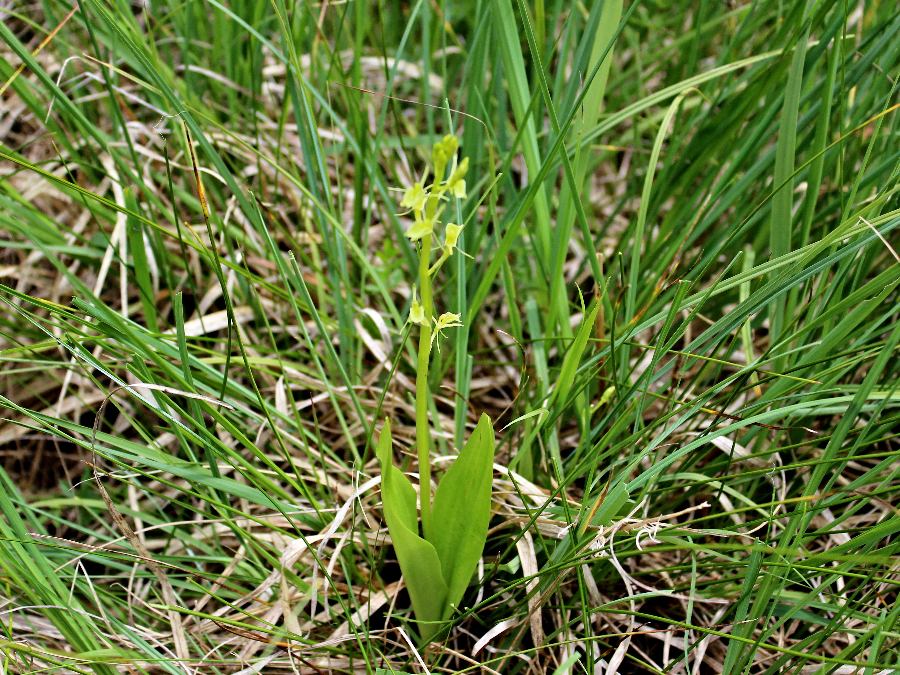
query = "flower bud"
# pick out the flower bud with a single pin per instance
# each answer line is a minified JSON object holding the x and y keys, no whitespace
{"x":416,"y":311}
{"x":457,"y":183}
{"x":444,"y":151}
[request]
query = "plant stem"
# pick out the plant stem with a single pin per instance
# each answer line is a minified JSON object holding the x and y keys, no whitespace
{"x":423,"y":433}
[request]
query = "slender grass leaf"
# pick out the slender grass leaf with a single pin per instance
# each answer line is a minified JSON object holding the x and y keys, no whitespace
{"x":573,"y":358}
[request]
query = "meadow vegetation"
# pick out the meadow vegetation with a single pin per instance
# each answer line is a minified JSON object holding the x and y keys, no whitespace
{"x":667,"y":286}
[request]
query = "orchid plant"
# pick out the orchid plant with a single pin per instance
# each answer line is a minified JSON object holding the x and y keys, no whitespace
{"x":438,"y":559}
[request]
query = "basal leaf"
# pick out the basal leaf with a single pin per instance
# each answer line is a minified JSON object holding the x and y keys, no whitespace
{"x":462,"y":509}
{"x":418,"y":559}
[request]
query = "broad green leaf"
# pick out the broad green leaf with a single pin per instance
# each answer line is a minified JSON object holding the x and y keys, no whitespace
{"x":418,"y":559}
{"x":462,"y":510}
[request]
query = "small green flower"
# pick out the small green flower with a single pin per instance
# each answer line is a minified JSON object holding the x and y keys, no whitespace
{"x":415,"y":196}
{"x":420,"y":228}
{"x":458,"y":188}
{"x":457,"y":182}
{"x":451,"y":237}
{"x":416,"y":311}
{"x":445,"y":320}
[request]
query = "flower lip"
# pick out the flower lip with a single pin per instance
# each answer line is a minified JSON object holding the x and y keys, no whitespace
{"x":420,"y":228}
{"x":451,"y":236}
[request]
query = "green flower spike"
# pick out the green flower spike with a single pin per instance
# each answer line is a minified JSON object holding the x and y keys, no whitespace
{"x":438,"y":535}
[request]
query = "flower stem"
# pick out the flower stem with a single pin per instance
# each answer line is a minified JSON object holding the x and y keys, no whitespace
{"x":423,"y":433}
